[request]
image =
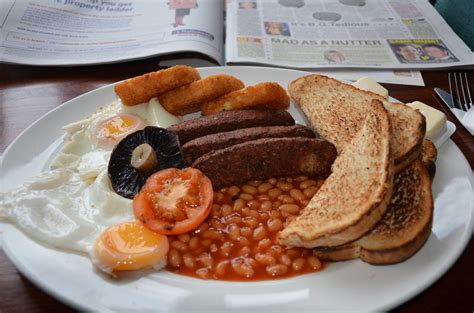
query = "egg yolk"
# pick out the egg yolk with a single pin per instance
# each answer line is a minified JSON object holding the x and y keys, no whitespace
{"x":113,"y":129}
{"x":129,"y":246}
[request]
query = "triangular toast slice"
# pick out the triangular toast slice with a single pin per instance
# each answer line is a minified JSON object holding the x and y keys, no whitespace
{"x":337,"y":111}
{"x":404,"y":228}
{"x":356,"y":194}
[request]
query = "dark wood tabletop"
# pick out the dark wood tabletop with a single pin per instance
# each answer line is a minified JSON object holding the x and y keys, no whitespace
{"x":27,"y":92}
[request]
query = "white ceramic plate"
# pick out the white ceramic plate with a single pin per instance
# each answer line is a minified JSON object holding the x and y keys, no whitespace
{"x":351,"y":285}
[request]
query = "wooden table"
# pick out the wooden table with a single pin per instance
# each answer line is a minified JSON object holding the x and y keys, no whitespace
{"x":26,"y":93}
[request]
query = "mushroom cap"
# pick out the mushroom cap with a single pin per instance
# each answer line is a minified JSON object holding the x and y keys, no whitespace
{"x":127,"y":180}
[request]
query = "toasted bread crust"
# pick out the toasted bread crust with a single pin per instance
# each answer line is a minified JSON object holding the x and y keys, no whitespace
{"x":402,"y":231}
{"x":364,"y":171}
{"x":337,"y":110}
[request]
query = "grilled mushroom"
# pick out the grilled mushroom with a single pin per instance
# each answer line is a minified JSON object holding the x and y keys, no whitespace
{"x":141,"y":154}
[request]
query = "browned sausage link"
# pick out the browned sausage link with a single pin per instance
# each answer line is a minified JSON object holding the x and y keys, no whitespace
{"x":266,"y":158}
{"x":198,"y":147}
{"x":230,"y":120}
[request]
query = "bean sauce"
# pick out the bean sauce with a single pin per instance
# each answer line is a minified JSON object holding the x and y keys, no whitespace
{"x":238,"y":239}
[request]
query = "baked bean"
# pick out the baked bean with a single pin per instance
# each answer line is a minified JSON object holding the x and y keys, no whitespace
{"x":250,"y":221}
{"x":242,"y":267}
{"x":285,"y":259}
{"x":263,"y":197}
{"x":266,"y":205}
{"x":276,"y":204}
{"x":254,"y":214}
{"x":221,"y":267}
{"x":206,"y":242}
{"x":289,"y":179}
{"x":264,"y":243}
{"x":246,"y":196}
{"x":233,"y":191}
{"x":272,"y":181}
{"x":314,"y":262}
{"x":285,"y":215}
{"x":234,"y":219}
{"x":305,"y":184}
{"x":174,"y":258}
{"x":238,"y":205}
{"x":206,"y":260}
{"x":290,"y":208}
{"x":274,"y":224}
{"x":203,"y":227}
{"x":243,"y":241}
{"x":244,"y":251}
{"x":255,"y":182}
{"x":213,"y":234}
{"x":298,"y":264}
{"x":297,"y":194}
{"x":246,"y":231}
{"x":301,"y":178}
{"x":179,"y":245}
{"x":215,"y":223}
{"x":184,"y":238}
{"x":310,"y":191}
{"x":203,"y":273}
{"x":275,"y":214}
{"x":293,"y":252}
{"x":226,"y":210}
{"x":218,"y":197}
{"x":286,"y":199}
{"x":226,"y":248}
{"x":234,"y":232}
{"x":276,"y":270}
{"x":254,"y":204}
{"x":194,"y":243}
{"x":188,"y":260}
{"x":246,"y":211}
{"x":264,"y":216}
{"x":274,"y":192}
{"x":216,"y":208}
{"x":198,"y":251}
{"x":259,"y":233}
{"x":304,"y":203}
{"x":213,"y":248}
{"x":284,"y":186}
{"x":265,"y":259}
{"x":265,"y":187}
{"x":276,"y":249}
{"x":249,"y":189}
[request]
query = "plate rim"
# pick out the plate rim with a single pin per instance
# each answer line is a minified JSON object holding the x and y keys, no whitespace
{"x":37,"y":281}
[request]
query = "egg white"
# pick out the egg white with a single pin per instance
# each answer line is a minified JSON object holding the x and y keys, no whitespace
{"x":69,"y":206}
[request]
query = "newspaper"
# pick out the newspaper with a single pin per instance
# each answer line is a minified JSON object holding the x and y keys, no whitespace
{"x":342,"y":33}
{"x":75,"y":32}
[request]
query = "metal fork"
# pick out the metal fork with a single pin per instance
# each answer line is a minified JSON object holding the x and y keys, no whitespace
{"x":460,"y":90}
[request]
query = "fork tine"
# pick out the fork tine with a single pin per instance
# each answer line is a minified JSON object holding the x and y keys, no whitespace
{"x":469,"y":103}
{"x":456,"y":85}
{"x":464,"y":102}
{"x":451,"y":90}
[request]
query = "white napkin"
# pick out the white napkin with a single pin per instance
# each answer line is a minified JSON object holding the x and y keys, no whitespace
{"x":466,"y":118}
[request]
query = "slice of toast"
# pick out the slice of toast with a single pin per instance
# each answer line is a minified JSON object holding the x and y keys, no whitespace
{"x":355,"y":196}
{"x":404,"y":228}
{"x":337,"y":111}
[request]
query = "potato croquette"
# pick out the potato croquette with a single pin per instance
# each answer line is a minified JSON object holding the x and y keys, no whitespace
{"x":189,"y":98}
{"x":262,"y":96}
{"x":142,"y":88}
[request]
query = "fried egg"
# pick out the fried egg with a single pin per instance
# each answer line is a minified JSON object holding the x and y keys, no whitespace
{"x":73,"y":206}
{"x":89,"y":142}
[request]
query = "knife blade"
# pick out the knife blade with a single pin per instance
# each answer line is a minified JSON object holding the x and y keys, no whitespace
{"x":446,"y":97}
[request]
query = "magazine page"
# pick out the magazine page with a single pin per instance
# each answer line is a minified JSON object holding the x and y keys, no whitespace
{"x":342,"y":33}
{"x":74,"y":32}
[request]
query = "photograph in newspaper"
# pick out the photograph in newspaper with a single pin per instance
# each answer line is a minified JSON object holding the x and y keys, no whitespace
{"x":341,"y":33}
{"x":419,"y":51}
